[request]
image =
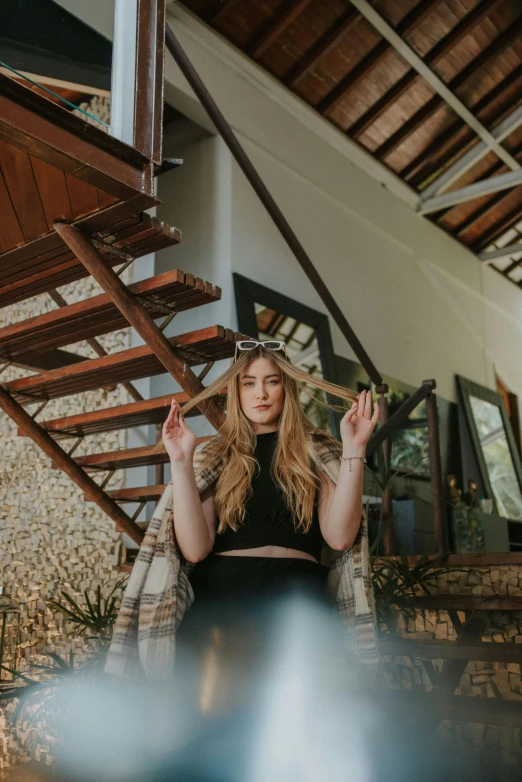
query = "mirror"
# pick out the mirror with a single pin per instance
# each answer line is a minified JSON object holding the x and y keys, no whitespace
{"x":491,"y":458}
{"x":497,"y":457}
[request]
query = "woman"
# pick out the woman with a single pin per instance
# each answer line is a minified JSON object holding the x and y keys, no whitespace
{"x":252,"y":511}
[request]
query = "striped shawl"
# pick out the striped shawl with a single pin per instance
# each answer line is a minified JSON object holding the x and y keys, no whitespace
{"x":158,"y":591}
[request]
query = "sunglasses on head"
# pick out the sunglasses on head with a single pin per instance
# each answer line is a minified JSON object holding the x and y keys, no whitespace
{"x":250,"y":344}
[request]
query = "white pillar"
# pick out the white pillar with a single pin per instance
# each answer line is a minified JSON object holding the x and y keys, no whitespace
{"x":123,"y":70}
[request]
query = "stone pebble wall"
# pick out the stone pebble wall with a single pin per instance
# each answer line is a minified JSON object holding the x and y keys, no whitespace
{"x":51,"y":539}
{"x":480,"y":679}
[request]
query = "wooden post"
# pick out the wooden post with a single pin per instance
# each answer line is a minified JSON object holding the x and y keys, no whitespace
{"x":399,"y":418}
{"x":124,"y":300}
{"x":387,"y":506}
{"x":64,"y":462}
{"x":437,"y":488}
{"x":150,"y":57}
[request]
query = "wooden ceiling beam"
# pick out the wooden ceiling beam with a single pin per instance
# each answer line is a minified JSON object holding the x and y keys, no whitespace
{"x":219,"y":10}
{"x":500,"y":227}
{"x":496,"y":168}
{"x":322,"y":48}
{"x":453,"y":131}
{"x":277,"y":28}
{"x":425,"y":112}
{"x":376,"y":56}
{"x":440,"y":50}
{"x":476,"y":216}
{"x":472,"y":156}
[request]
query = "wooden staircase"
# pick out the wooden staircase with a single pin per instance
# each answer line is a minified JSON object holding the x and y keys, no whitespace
{"x":72,"y":201}
{"x":161,"y":296}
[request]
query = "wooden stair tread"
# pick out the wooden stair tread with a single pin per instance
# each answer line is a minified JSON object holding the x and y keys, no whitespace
{"x":143,"y":456}
{"x":469,"y":602}
{"x":458,"y":708}
{"x":137,"y":493}
{"x":173,"y":290}
{"x":452,"y":650}
{"x":48,"y":263}
{"x":108,"y":419}
{"x":196,"y":347}
{"x":142,"y":413}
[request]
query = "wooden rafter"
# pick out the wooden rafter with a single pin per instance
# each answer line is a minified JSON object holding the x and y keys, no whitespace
{"x":277,"y":28}
{"x":458,"y":134}
{"x":323,"y":47}
{"x":375,"y":56}
{"x":434,"y":104}
{"x":477,"y":214}
{"x":219,"y":10}
{"x":439,"y":50}
{"x":500,"y":227}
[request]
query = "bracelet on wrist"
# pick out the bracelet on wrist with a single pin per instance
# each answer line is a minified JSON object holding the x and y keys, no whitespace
{"x":350,"y":458}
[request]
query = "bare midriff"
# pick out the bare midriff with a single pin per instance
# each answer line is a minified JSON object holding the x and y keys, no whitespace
{"x":267,"y":551}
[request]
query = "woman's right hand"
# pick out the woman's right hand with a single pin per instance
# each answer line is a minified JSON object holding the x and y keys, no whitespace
{"x":178,"y":438}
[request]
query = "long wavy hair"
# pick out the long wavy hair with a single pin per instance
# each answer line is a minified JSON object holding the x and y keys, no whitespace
{"x":234,"y":447}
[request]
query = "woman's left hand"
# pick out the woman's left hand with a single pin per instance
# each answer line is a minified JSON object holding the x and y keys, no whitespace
{"x":358,"y":423}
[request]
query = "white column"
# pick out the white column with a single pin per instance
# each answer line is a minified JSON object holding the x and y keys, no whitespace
{"x":123,"y":70}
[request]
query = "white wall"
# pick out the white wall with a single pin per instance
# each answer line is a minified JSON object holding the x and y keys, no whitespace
{"x":420,"y":302}
{"x":197,"y":198}
{"x":98,"y":14}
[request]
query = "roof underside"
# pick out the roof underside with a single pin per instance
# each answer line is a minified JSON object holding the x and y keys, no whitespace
{"x":332,"y":56}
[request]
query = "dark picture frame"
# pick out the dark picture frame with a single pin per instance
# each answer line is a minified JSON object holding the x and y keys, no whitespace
{"x":467,"y":388}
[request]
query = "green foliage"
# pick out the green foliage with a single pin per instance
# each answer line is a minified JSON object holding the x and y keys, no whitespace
{"x":97,"y":617}
{"x":46,"y":697}
{"x":396,"y":583}
{"x":383,"y":477}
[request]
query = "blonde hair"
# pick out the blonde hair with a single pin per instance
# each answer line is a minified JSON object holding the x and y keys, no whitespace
{"x":234,"y":447}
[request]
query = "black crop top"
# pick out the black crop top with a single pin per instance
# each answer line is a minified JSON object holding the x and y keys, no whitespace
{"x":268,"y":521}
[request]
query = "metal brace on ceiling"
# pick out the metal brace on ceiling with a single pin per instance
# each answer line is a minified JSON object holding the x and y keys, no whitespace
{"x":490,"y":140}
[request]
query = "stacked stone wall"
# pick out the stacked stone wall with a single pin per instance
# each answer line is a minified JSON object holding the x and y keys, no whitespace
{"x":51,"y":539}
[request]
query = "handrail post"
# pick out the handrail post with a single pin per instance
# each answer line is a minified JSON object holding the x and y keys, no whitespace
{"x":437,"y":488}
{"x":387,"y":503}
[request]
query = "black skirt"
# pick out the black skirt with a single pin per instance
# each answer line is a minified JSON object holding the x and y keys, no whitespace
{"x":235,"y":578}
{"x":235,"y":614}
